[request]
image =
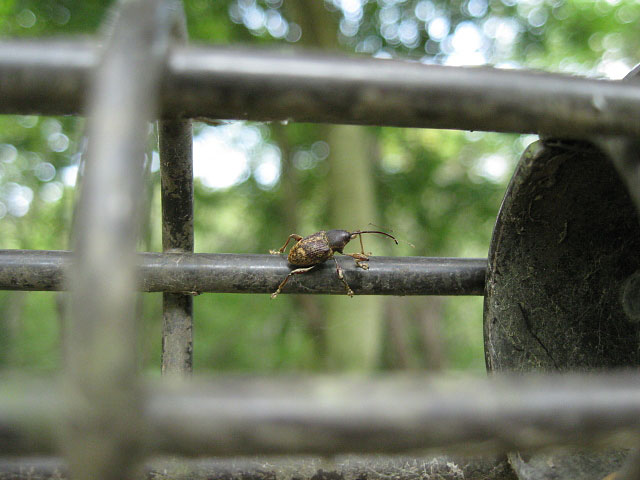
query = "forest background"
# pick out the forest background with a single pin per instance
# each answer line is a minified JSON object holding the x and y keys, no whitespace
{"x":256,"y":183}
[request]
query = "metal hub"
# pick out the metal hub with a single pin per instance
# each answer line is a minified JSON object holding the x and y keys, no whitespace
{"x":562,"y":260}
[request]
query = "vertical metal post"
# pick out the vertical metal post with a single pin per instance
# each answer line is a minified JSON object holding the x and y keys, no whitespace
{"x":176,"y":169}
{"x":104,"y":425}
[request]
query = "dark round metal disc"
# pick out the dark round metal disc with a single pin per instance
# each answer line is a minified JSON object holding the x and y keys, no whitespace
{"x":566,"y":241}
{"x":561,"y":289}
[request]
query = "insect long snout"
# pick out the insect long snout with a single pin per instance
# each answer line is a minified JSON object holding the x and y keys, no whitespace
{"x":358,"y":232}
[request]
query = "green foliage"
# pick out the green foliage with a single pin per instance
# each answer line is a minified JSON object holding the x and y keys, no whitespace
{"x":438,"y":193}
{"x":462,"y":333}
{"x":34,"y":18}
{"x":438,"y":190}
{"x":31,"y":330}
{"x":35,"y":153}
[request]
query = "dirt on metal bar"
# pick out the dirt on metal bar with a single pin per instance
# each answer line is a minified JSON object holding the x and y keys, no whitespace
{"x":248,"y":273}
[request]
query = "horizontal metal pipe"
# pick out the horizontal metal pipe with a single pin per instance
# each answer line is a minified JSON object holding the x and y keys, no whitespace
{"x":247,"y":273}
{"x":232,"y":416}
{"x":263,"y":85}
{"x":286,"y":468}
{"x":45,"y":77}
{"x":50,"y":78}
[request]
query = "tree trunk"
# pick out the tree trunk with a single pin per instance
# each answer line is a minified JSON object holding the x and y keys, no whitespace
{"x":429,"y":316}
{"x":400,"y":352}
{"x":354,"y":325}
{"x":309,"y":306}
{"x":10,"y":326}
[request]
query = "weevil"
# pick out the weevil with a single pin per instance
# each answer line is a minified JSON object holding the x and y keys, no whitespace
{"x":310,"y":251}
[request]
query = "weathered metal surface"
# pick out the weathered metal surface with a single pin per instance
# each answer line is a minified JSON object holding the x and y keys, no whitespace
{"x":103,"y":432}
{"x":285,"y":468}
{"x":631,"y":468}
{"x":316,"y":88}
{"x":566,"y":240}
{"x":34,"y":270}
{"x":177,"y":333}
{"x":585,"y":465}
{"x":176,"y":169}
{"x":565,"y":249}
{"x":246,"y":273}
{"x":266,"y":85}
{"x":233,"y":416}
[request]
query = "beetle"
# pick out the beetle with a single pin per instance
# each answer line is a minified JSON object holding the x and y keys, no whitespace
{"x":317,"y":248}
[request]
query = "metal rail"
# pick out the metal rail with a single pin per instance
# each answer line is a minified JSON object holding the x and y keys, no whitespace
{"x":235,"y":83}
{"x":103,"y":427}
{"x":326,"y":416}
{"x":234,"y":273}
{"x":176,"y":169}
{"x":175,"y":139}
{"x":285,"y":468}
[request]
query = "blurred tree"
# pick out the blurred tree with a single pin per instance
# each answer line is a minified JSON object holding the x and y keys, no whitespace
{"x":354,"y":325}
{"x":351,"y":206}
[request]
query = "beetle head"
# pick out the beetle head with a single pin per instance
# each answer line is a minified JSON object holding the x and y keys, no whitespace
{"x":338,"y":239}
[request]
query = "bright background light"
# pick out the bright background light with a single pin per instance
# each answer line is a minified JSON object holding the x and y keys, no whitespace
{"x":228,"y":154}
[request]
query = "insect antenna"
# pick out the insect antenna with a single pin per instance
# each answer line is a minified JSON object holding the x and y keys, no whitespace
{"x":359,"y":232}
{"x":391,"y":231}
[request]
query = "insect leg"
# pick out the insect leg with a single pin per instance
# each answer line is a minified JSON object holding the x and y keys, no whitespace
{"x":362,"y":247}
{"x":340,"y":273}
{"x":293,"y":272}
{"x":359,"y":259}
{"x":295,"y":236}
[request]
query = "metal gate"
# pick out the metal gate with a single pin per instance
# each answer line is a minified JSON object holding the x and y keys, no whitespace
{"x":106,"y":421}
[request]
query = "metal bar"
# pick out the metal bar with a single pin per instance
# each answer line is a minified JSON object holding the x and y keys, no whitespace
{"x":44,"y":77}
{"x":175,"y":139}
{"x":103,"y":432}
{"x":327,"y":415}
{"x":266,"y":85}
{"x":286,"y":468}
{"x":260,"y":85}
{"x":176,"y":168}
{"x":246,"y":273}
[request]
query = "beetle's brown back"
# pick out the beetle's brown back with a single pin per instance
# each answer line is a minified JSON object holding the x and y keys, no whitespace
{"x":310,"y":250}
